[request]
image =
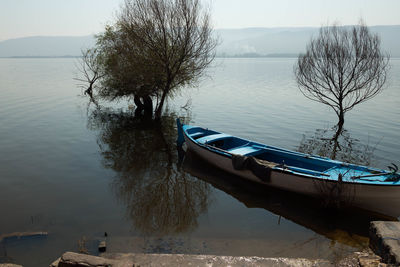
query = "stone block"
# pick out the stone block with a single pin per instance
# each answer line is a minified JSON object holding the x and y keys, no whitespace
{"x":72,"y":259}
{"x":385,"y":240}
{"x":55,"y":263}
{"x":370,"y":260}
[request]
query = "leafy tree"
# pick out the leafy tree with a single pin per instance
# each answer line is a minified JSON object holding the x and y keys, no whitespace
{"x":342,"y":68}
{"x":154,"y":49}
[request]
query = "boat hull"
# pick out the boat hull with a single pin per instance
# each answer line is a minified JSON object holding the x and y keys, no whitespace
{"x":379,"y":198}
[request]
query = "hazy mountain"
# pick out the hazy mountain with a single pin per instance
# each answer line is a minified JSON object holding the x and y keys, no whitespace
{"x":45,"y":46}
{"x":276,"y":41}
{"x":249,"y":42}
{"x":264,"y":41}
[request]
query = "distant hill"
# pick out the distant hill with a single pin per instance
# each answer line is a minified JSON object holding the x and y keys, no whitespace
{"x":45,"y":46}
{"x":248,"y":42}
{"x":264,"y":41}
{"x":289,"y":41}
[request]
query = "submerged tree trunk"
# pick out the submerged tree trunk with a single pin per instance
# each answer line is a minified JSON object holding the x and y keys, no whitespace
{"x":157,"y":113}
{"x":339,"y":131}
{"x":138,"y":102}
{"x":148,"y":104}
{"x":339,"y":125}
{"x":144,"y":105}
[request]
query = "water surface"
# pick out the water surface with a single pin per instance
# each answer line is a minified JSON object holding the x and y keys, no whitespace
{"x":77,"y":171}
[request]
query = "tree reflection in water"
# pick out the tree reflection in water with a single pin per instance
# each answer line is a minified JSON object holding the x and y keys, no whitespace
{"x":159,"y":197}
{"x":344,"y":148}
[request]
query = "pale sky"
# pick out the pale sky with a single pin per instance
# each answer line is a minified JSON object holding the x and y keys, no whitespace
{"x":20,"y":18}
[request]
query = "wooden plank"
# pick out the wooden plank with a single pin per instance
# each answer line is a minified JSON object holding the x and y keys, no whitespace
{"x":18,"y":235}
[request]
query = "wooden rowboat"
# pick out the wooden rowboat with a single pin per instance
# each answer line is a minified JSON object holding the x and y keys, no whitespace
{"x":365,"y":187}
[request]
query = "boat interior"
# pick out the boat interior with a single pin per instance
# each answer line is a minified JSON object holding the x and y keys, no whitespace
{"x":294,"y":161}
{"x":238,"y":146}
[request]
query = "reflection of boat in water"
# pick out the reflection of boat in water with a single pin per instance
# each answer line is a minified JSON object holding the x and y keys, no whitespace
{"x":373,"y":189}
{"x":346,"y":226}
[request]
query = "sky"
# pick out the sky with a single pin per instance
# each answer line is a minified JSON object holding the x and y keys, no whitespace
{"x":21,"y":18}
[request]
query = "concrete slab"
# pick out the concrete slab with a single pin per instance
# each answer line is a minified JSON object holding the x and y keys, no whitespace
{"x":150,"y":260}
{"x":261,"y":247}
{"x":71,"y":259}
{"x":385,"y":240}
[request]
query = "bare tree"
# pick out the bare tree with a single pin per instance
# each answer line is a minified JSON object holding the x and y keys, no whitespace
{"x":90,"y":70}
{"x":155,"y":48}
{"x":342,"y":68}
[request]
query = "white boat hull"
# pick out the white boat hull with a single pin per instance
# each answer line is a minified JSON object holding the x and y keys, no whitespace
{"x":378,"y":198}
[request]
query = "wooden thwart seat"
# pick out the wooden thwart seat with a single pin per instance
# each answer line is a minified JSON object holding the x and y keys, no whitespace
{"x":244,"y":150}
{"x":196,"y":134}
{"x":212,"y":138}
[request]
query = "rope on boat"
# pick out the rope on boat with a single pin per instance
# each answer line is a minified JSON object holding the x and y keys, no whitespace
{"x":260,"y":168}
{"x":393,"y":175}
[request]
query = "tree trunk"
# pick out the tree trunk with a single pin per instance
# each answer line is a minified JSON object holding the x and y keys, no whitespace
{"x":338,"y":133}
{"x":138,"y":102}
{"x":148,"y":106}
{"x":340,"y":125}
{"x":89,"y":90}
{"x":160,"y":106}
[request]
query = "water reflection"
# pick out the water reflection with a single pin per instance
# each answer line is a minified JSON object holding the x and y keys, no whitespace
{"x":346,"y":148}
{"x":160,"y":199}
{"x":343,"y":147}
{"x":346,"y":226}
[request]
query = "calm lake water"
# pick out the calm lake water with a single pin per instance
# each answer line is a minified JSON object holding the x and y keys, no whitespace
{"x":76,"y":171}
